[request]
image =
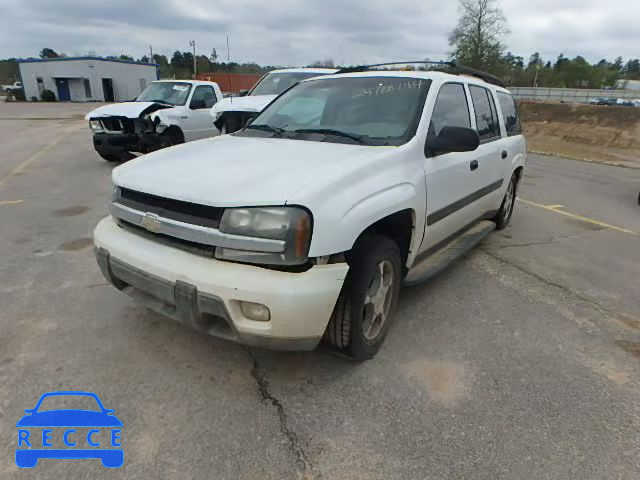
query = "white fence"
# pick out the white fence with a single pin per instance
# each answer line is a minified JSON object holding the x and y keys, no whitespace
{"x":570,"y":95}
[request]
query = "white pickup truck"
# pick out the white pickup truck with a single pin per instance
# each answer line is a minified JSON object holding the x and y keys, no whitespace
{"x":233,"y":113}
{"x":305,"y":224}
{"x":166,"y":113}
{"x":15,"y":87}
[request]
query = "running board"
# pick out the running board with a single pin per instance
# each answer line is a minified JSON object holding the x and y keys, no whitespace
{"x":436,"y":262}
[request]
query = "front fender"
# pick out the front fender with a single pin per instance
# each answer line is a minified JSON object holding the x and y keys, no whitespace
{"x":381,"y":186}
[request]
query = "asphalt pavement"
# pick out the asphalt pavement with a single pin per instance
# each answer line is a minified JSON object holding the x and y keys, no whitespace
{"x":521,"y":361}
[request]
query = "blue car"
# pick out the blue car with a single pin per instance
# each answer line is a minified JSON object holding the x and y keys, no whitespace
{"x":35,"y":447}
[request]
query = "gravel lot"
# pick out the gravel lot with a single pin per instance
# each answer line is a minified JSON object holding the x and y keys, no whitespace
{"x":522,"y":361}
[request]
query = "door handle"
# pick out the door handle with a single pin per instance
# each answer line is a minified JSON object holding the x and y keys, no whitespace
{"x":504,"y":154}
{"x":473,"y":165}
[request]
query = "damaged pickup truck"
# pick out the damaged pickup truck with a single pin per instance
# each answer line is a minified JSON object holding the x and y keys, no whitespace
{"x":166,"y":113}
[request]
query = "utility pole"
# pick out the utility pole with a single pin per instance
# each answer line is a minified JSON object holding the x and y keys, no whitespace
{"x":535,"y":80}
{"x":150,"y":54}
{"x":192,"y":43}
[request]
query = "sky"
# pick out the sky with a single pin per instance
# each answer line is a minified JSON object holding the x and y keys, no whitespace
{"x":297,"y":32}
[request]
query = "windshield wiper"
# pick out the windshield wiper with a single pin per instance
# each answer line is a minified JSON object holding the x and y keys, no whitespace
{"x":337,"y":133}
{"x":160,"y":101}
{"x":266,"y":127}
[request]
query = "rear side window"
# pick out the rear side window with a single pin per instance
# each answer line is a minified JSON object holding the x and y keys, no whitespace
{"x":486,"y":117}
{"x":509,"y":113}
{"x":451,"y":109}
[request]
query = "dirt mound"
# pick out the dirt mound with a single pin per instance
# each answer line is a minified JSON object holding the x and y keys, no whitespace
{"x":590,"y":132}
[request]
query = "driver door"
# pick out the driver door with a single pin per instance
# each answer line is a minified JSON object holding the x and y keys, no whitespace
{"x":199,"y":122}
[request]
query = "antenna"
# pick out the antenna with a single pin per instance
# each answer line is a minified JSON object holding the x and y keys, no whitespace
{"x":229,"y":69}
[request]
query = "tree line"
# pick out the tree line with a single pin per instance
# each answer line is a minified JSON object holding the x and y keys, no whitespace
{"x":477,"y":41}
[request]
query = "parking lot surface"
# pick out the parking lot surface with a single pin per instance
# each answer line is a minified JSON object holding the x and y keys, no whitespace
{"x":520,"y":361}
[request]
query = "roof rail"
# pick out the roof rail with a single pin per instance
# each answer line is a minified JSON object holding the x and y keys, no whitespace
{"x":454,"y":68}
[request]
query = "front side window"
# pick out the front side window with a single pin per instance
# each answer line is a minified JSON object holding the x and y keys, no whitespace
{"x":171,"y":93}
{"x":486,"y":117}
{"x":276,"y":83}
{"x":451,"y":109}
{"x":204,"y":96}
{"x":509,"y":113}
{"x":366,"y":110}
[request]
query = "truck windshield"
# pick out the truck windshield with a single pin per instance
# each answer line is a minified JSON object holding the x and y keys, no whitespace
{"x":173,"y":93}
{"x":276,"y":83}
{"x":380,"y":110}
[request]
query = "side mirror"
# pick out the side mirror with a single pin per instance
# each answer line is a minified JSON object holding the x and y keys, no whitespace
{"x":452,"y":139}
{"x":243,"y":93}
{"x":197,"y":104}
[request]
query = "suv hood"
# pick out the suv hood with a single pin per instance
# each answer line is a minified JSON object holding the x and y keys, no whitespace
{"x":243,"y":104}
{"x":126,"y":109}
{"x":240,"y":171}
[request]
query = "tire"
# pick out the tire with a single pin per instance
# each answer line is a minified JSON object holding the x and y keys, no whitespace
{"x":171,"y":136}
{"x":359,"y":323}
{"x":116,"y":157}
{"x":503,"y":217}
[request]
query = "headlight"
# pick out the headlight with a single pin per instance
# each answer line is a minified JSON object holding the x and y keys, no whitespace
{"x":95,"y":125}
{"x":290,"y":224}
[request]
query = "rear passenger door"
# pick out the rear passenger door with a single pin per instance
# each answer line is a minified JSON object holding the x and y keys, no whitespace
{"x":491,"y":154}
{"x":514,"y":143}
{"x":450,"y":178}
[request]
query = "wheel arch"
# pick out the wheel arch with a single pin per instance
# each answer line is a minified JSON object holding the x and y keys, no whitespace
{"x":399,"y":227}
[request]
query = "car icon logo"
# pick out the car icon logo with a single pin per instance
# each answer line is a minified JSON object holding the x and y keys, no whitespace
{"x":69,"y":433}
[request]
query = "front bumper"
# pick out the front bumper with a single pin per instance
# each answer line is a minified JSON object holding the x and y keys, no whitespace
{"x":114,"y":143}
{"x":205,"y":293}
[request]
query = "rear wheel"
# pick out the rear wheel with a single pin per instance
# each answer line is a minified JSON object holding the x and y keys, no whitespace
{"x":361,"y":317}
{"x":503,"y":216}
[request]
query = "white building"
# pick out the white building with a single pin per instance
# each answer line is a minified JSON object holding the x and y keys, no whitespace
{"x":85,"y":79}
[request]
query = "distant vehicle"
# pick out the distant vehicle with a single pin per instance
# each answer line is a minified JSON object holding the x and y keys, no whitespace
{"x":233,"y":113}
{"x":167,"y":112}
{"x":609,"y":101}
{"x":14,"y":87}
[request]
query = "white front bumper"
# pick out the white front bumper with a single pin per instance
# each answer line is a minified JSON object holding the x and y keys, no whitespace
{"x":300,"y":303}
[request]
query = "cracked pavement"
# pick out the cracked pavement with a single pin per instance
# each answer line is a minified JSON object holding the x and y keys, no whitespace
{"x":522,"y":360}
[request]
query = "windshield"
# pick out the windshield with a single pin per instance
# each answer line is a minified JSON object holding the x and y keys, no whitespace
{"x":173,"y":93}
{"x":276,"y":83}
{"x":365,"y":110}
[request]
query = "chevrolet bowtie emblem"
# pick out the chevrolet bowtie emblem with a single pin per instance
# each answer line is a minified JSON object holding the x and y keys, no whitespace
{"x":150,"y":222}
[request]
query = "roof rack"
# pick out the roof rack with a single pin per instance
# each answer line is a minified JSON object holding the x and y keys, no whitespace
{"x":454,"y":68}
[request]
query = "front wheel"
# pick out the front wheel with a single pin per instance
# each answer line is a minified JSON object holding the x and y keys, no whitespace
{"x":171,"y":136}
{"x":362,"y":314}
{"x":503,"y":216}
{"x":116,"y":157}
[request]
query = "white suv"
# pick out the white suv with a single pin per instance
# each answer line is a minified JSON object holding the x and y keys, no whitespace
{"x":306,"y":223}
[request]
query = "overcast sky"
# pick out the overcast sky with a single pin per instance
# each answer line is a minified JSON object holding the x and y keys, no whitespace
{"x":297,"y":32}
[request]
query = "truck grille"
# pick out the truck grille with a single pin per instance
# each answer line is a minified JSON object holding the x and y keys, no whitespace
{"x":179,"y":210}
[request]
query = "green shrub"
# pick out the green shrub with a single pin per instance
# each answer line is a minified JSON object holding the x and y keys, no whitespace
{"x":19,"y":95}
{"x":48,"y":96}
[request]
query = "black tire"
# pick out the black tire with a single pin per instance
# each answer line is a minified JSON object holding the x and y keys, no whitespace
{"x":371,"y":255}
{"x":116,"y":157}
{"x":171,"y":136}
{"x":503,"y":217}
